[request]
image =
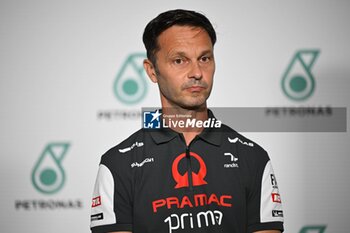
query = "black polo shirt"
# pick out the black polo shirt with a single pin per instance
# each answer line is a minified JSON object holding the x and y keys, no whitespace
{"x":153,"y":183}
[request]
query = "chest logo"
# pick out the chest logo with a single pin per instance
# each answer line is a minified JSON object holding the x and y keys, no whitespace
{"x":233,"y":160}
{"x":183,"y":180}
{"x":236,"y":139}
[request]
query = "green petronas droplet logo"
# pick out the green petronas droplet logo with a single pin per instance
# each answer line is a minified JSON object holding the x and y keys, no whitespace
{"x":48,"y":175}
{"x":130,"y":86}
{"x":313,"y":229}
{"x":298,"y":82}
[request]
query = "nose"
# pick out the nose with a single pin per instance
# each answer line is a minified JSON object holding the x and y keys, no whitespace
{"x":195,"y":71}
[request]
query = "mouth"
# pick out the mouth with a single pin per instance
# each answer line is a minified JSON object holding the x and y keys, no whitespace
{"x":195,"y":88}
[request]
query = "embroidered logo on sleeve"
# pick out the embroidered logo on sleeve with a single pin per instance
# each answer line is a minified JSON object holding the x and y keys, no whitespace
{"x":96,"y":201}
{"x":276,"y":197}
{"x":277,"y":213}
{"x":96,"y":217}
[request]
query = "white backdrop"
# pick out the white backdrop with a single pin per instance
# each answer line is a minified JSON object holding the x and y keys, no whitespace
{"x":59,"y":61}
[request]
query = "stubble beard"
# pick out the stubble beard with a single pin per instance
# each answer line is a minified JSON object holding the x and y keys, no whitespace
{"x":183,"y":102}
{"x":192,"y":101}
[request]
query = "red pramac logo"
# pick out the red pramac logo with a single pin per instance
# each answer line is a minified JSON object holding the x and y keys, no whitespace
{"x":197,"y":178}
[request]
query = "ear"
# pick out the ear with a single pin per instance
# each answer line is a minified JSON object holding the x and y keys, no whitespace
{"x":150,"y":70}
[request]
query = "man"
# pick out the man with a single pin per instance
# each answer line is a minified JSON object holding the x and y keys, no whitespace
{"x":185,"y":178}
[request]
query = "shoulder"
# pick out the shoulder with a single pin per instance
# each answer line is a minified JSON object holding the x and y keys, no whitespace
{"x":245,"y":146}
{"x":119,"y":153}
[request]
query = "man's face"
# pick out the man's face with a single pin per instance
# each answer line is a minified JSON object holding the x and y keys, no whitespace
{"x":185,"y":67}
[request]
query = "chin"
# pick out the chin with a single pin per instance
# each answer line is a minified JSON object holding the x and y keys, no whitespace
{"x":194,"y":105}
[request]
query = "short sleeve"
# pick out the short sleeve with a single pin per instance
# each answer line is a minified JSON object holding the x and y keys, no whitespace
{"x":111,"y":208}
{"x":264,"y":202}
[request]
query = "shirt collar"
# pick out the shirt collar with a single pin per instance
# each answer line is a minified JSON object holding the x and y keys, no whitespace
{"x":162,"y":135}
{"x":210,"y":135}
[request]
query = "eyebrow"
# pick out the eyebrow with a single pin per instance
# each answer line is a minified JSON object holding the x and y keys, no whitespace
{"x":207,"y":52}
{"x":183,"y":54}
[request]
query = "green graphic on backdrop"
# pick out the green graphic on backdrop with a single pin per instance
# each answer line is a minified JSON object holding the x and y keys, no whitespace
{"x":130,"y":85}
{"x":313,"y":229}
{"x":48,"y":175}
{"x":298,"y":83}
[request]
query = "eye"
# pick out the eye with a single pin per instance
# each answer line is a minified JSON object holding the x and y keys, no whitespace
{"x":205,"y":59}
{"x":178,"y":61}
